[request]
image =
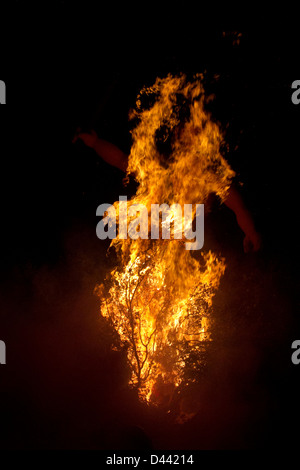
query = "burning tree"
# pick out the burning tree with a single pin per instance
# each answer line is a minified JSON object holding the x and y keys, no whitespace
{"x":159,"y":326}
{"x":160,"y":296}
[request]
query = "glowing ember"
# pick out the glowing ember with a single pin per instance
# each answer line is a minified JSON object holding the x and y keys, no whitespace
{"x":159,"y":297}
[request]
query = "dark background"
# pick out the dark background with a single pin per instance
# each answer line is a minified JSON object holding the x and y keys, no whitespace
{"x":62,"y":387}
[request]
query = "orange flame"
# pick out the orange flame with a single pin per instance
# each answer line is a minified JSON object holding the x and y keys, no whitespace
{"x":160,"y":296}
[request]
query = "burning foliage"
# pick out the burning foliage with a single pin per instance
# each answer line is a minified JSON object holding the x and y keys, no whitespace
{"x":159,"y":297}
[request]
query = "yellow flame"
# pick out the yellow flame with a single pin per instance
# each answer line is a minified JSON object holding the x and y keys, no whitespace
{"x":160,"y":296}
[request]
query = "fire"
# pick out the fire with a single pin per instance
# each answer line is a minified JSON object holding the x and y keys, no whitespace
{"x":160,"y":296}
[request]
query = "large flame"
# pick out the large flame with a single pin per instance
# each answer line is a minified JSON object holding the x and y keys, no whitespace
{"x":160,"y":296}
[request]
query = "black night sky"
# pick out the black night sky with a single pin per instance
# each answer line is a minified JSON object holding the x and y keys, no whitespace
{"x":62,"y":386}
